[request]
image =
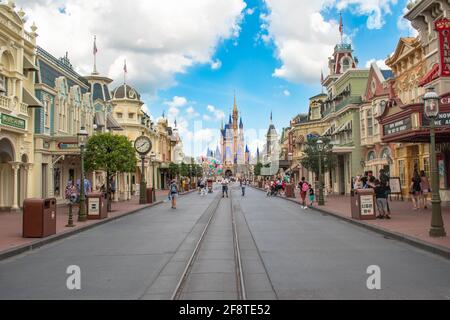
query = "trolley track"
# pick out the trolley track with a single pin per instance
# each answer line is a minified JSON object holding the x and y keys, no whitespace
{"x":193,"y":259}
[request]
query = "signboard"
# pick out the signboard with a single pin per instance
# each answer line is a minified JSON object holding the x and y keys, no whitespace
{"x":68,"y":145}
{"x":397,"y":127}
{"x":11,"y":121}
{"x":367,"y":205}
{"x":94,"y":206}
{"x":443,"y":119}
{"x":442,"y":27}
{"x":395,"y":185}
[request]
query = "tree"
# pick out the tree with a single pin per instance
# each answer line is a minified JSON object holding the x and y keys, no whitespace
{"x":174,"y":170}
{"x":184,"y":170}
{"x":311,"y":159}
{"x":112,"y":154}
{"x":257,"y":170}
{"x":198,"y":171}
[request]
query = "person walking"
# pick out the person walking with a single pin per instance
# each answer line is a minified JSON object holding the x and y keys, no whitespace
{"x":426,"y":189}
{"x":225,"y":183}
{"x":381,"y":197}
{"x":311,"y":197}
{"x":384,"y":181}
{"x":416,"y":190}
{"x":303,"y":192}
{"x":173,"y":193}
{"x":243,"y":186}
{"x":267,"y":187}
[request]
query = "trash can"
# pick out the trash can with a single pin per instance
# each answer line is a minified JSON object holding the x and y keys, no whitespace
{"x":363,"y":204}
{"x":39,"y":218}
{"x":149,"y":195}
{"x":290,"y":191}
{"x":97,"y":208}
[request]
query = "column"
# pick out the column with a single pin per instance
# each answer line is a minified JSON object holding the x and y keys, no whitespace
{"x":94,"y":182}
{"x":15,"y":167}
{"x":29,"y":171}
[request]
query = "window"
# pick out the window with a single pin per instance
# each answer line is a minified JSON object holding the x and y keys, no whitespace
{"x":371,"y":156}
{"x":4,"y":84}
{"x":131,"y":115}
{"x":47,"y":113}
{"x":369,"y":123}
{"x":345,"y":64}
{"x":119,"y":115}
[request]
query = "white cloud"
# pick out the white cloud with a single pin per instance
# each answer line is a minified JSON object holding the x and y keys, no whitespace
{"x":250,"y":11}
{"x":159,"y":38}
{"x":304,"y":45}
{"x":177,"y":102}
{"x":381,"y":64}
{"x":405,"y":25}
{"x":206,"y":117}
{"x":286,"y":93}
{"x":218,"y":114}
{"x":216,"y":64}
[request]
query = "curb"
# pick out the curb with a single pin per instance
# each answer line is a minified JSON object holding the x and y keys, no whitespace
{"x":66,"y":234}
{"x":435,"y":249}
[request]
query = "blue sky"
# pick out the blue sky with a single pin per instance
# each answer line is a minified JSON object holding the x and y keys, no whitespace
{"x":247,"y":67}
{"x":187,"y":58}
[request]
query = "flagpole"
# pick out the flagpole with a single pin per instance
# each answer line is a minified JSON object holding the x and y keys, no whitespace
{"x":95,"y":55}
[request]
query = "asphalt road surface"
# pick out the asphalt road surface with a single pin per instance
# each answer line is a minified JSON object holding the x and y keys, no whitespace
{"x":285,"y":253}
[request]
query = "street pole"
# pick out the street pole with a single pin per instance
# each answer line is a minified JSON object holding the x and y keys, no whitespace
{"x":70,"y":222}
{"x":437,"y":223}
{"x":321,"y":201}
{"x":153,"y":182}
{"x":143,"y":187}
{"x":82,"y":210}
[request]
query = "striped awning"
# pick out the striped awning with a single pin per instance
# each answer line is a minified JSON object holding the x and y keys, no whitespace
{"x":345,"y":127}
{"x":329,"y":131}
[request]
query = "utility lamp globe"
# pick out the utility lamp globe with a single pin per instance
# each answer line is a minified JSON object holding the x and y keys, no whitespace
{"x":82,"y":137}
{"x":320,"y":145}
{"x":153,"y":156}
{"x":431,"y":102}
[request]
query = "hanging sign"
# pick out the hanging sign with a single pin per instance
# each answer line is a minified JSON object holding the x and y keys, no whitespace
{"x":442,"y":27}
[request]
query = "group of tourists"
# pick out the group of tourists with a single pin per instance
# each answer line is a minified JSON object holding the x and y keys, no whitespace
{"x":307,"y":194}
{"x":381,"y":188}
{"x":419,"y":189}
{"x":275,"y":187}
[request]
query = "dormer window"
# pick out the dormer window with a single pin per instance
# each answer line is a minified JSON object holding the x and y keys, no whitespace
{"x":345,"y":64}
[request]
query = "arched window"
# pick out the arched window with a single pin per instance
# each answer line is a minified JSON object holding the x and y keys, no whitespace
{"x":371,"y":156}
{"x":386,"y":154}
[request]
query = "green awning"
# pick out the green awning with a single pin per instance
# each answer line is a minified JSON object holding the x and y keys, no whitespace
{"x":28,"y":65}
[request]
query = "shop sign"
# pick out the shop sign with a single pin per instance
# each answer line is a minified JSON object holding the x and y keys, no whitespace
{"x":68,"y":145}
{"x":443,"y":119}
{"x":442,"y":27}
{"x":94,"y":206}
{"x":367,"y":208}
{"x":11,"y":121}
{"x":397,"y":127}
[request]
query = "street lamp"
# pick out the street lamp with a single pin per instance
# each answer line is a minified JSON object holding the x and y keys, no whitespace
{"x":320,"y":147}
{"x":82,"y":139}
{"x":431,"y":104}
{"x":153,"y":159}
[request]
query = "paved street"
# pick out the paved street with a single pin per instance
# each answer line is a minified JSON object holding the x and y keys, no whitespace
{"x":286,"y":253}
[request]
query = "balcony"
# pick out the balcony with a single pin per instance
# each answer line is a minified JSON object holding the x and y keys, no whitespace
{"x":6,"y":103}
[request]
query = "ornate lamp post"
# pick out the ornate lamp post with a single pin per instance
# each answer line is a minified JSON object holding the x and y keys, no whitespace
{"x":153,"y":159}
{"x":82,"y":139}
{"x":431,"y":104}
{"x":320,"y":146}
{"x":143,"y":146}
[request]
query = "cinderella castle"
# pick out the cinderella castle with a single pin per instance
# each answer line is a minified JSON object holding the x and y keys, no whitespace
{"x":233,"y":153}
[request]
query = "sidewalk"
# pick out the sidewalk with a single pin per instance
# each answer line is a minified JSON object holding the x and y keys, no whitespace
{"x":406,"y":223}
{"x":11,"y":223}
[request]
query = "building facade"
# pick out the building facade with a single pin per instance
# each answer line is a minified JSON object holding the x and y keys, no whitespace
{"x":17,"y":100}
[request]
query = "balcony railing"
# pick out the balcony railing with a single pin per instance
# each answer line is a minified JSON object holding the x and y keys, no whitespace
{"x":23,"y":108}
{"x":6,"y":103}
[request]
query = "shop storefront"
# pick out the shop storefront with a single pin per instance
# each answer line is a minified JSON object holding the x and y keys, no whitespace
{"x":408,"y":127}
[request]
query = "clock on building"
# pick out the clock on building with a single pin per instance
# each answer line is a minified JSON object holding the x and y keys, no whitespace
{"x":143,"y":145}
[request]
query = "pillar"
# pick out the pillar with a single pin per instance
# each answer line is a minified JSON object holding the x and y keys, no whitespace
{"x":116,"y":194}
{"x":2,"y":189}
{"x":29,"y":179}
{"x":15,"y":204}
{"x":94,"y":182}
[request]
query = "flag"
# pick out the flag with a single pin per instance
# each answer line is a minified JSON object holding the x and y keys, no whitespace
{"x":341,"y":25}
{"x":321,"y":76}
{"x":125,"y":67}
{"x":95,"y":45}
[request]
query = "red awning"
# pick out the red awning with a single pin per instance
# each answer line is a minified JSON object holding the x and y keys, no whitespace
{"x":430,"y":76}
